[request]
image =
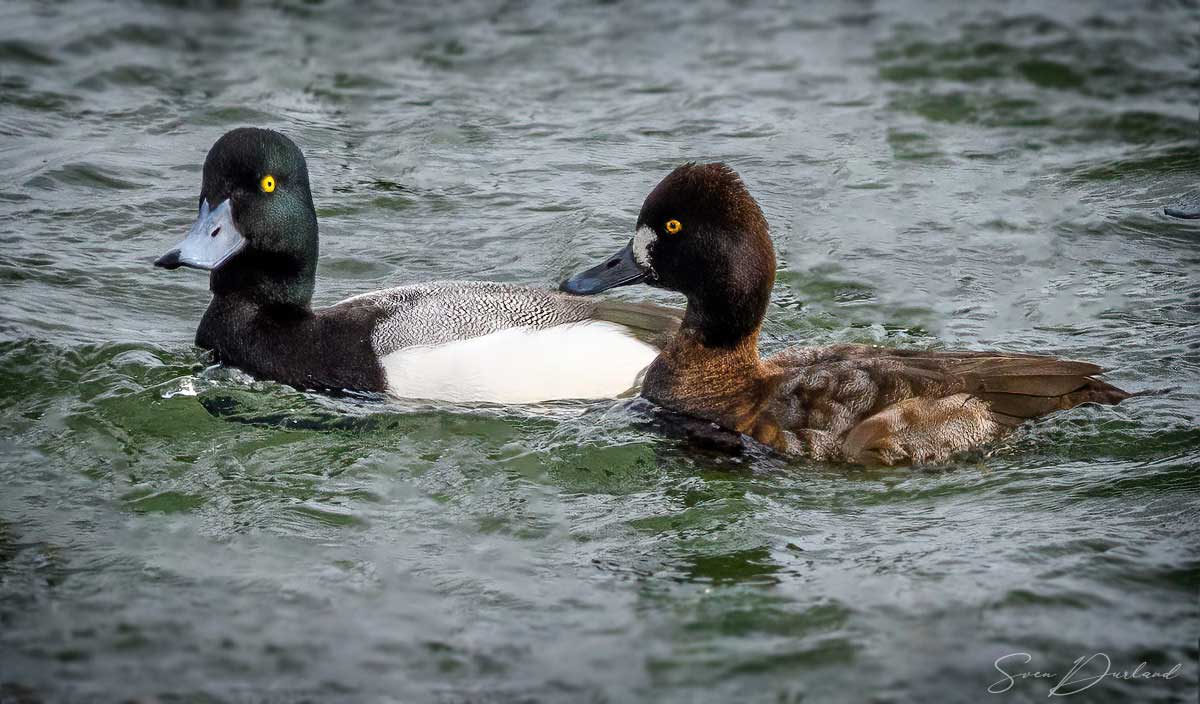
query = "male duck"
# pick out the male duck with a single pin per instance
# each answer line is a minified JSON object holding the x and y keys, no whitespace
{"x":458,"y":341}
{"x":701,"y":233}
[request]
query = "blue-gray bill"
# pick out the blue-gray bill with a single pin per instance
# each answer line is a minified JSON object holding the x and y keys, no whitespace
{"x":620,"y":269}
{"x":211,"y":241}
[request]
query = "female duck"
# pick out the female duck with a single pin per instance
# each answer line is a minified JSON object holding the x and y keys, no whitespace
{"x":701,"y":233}
{"x":459,"y":341}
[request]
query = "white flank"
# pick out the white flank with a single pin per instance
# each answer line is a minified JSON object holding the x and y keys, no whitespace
{"x":522,"y":365}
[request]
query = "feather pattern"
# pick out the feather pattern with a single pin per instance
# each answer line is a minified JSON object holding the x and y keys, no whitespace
{"x":701,"y":233}
{"x":449,"y":311}
{"x":502,"y":343}
{"x":863,"y":403}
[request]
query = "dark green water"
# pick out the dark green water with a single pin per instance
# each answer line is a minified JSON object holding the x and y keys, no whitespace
{"x":989,"y":176}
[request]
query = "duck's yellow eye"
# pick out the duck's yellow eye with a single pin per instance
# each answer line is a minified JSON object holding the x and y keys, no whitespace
{"x":267,"y":183}
{"x":674,"y":226}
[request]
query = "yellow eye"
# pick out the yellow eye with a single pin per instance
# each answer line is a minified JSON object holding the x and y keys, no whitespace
{"x":673,"y":227}
{"x":267,"y":183}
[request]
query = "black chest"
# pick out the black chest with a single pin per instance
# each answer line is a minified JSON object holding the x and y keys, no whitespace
{"x":326,"y":349}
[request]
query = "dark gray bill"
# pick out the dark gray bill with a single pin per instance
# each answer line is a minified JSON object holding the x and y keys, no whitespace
{"x":212,"y":240}
{"x":621,"y":269}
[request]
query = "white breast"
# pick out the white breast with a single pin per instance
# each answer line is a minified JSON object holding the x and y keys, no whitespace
{"x":522,"y":365}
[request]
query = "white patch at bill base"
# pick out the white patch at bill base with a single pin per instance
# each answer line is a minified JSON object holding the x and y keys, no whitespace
{"x":642,"y":239}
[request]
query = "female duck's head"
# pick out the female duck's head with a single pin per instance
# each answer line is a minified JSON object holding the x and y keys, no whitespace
{"x":257,"y":229}
{"x":700,"y":233}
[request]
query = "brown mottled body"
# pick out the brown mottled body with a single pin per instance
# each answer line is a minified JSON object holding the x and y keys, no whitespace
{"x":702,"y":234}
{"x":866,"y":404}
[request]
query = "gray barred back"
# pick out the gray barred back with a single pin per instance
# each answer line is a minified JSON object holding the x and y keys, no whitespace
{"x":445,"y":311}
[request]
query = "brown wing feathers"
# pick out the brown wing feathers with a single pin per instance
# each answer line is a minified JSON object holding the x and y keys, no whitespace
{"x":1015,"y":386}
{"x":1018,"y":387}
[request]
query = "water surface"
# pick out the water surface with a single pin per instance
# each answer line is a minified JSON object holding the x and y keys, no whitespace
{"x":935,"y":175}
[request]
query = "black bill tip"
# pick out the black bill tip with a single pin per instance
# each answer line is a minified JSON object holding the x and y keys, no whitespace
{"x":621,"y":269}
{"x":170,"y":260}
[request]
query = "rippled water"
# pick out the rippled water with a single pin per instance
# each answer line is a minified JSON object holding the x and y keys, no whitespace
{"x":935,"y":175}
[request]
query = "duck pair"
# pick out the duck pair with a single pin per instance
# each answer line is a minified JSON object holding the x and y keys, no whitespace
{"x":699,"y":233}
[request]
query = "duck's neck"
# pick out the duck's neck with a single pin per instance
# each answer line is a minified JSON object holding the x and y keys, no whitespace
{"x":711,"y":369}
{"x":269,"y":281}
{"x":253,"y":294}
{"x":728,"y":315}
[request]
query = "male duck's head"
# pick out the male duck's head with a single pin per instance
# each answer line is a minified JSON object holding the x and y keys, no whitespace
{"x":700,"y":233}
{"x":257,"y":226}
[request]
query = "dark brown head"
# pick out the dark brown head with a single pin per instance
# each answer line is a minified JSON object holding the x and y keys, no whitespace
{"x":701,"y":233}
